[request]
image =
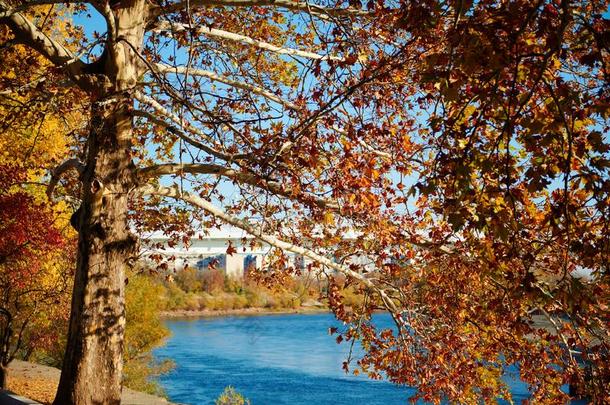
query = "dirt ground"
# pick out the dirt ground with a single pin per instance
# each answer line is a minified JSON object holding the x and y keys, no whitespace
{"x":39,"y":389}
{"x":39,"y":383}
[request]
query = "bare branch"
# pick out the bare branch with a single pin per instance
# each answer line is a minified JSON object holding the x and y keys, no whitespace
{"x":211,"y":209}
{"x":26,"y":86}
{"x":300,"y":6}
{"x":171,"y":128}
{"x":234,"y":83}
{"x":213,"y":32}
{"x":177,"y":130}
{"x":151,"y":102}
{"x":27,"y":33}
{"x":377,"y":152}
{"x":61,"y":169}
{"x":252,"y":179}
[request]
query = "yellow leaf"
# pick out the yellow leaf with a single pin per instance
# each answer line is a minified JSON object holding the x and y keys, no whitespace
{"x":329,"y":218}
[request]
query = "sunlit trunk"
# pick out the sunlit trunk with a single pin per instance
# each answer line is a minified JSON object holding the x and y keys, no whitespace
{"x":92,"y":368}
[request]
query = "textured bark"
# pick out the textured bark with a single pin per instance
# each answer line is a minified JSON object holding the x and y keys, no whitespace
{"x":6,"y":331}
{"x":92,"y":368}
{"x":91,"y":372}
{"x":3,"y":376}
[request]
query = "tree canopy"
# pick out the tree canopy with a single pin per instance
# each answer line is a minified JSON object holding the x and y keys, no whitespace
{"x":465,"y":143}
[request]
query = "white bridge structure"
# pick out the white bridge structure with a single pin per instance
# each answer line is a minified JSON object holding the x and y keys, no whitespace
{"x":210,"y":250}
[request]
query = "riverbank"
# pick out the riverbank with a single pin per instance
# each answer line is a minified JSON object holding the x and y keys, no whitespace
{"x":213,"y":313}
{"x":39,"y":383}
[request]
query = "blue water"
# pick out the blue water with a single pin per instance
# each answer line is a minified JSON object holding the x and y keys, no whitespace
{"x":272,"y":359}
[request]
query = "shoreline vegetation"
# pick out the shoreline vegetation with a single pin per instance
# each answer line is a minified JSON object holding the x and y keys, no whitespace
{"x":218,"y":313}
{"x":209,"y":292}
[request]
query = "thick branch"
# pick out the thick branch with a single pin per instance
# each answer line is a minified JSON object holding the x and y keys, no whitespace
{"x":61,"y":169}
{"x":301,"y":6}
{"x":239,"y":177}
{"x":218,"y":78}
{"x":177,"y":194}
{"x":28,"y":34}
{"x":176,"y":130}
{"x":213,"y":32}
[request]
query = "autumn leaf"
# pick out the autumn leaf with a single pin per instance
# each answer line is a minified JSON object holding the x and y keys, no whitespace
{"x":231,"y":249}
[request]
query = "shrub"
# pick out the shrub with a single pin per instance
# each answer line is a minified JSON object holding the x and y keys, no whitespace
{"x":256,"y":296}
{"x":193,"y":302}
{"x":231,"y":397}
{"x":224,"y":301}
{"x":240,"y":301}
{"x":209,"y":302}
{"x":188,"y":280}
{"x":234,"y":285}
{"x":143,"y":332}
{"x":271,"y":302}
{"x":174,"y":297}
{"x":212,"y":280}
{"x":287,"y":300}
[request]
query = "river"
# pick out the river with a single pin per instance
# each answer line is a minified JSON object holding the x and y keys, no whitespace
{"x":272,"y":359}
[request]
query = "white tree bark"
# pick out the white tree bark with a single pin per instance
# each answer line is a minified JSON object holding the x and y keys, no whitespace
{"x":183,"y":70}
{"x":214,"y":32}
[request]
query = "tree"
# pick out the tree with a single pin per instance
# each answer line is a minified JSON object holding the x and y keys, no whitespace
{"x":36,"y":115}
{"x":36,"y":255}
{"x":144,"y":331}
{"x":464,"y":142}
{"x":28,"y":240}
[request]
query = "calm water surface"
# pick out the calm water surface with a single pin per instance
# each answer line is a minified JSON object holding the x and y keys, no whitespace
{"x":272,"y":359}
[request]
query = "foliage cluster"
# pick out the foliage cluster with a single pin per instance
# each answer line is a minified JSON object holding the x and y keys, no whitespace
{"x":32,"y":273}
{"x":143,"y":332}
{"x":209,"y":289}
{"x":231,"y":397}
{"x":38,"y":244}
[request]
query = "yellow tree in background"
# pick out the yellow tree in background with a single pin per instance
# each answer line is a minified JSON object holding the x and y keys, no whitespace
{"x":36,"y":118}
{"x":36,"y":256}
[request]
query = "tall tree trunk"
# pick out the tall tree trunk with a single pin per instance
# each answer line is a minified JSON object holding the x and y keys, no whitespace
{"x":6,"y":332}
{"x":3,"y":376}
{"x":91,"y":372}
{"x":92,"y":367}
